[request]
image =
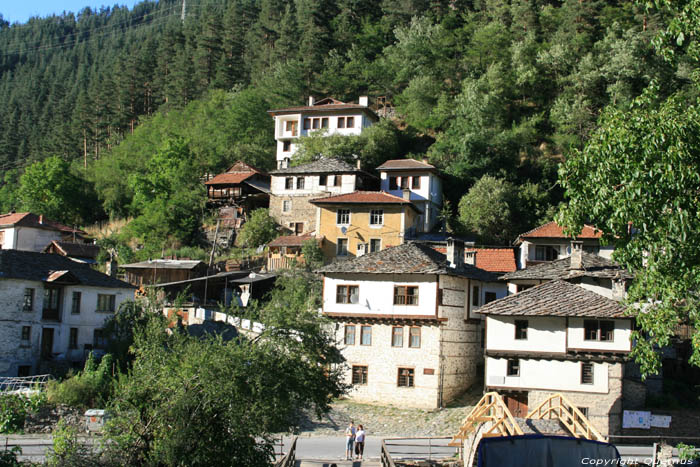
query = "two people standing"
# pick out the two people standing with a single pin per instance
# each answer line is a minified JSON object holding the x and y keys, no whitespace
{"x":354,"y":436}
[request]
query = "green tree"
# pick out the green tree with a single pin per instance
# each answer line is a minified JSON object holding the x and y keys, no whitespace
{"x":486,"y":210}
{"x":258,"y":230}
{"x":313,"y":255}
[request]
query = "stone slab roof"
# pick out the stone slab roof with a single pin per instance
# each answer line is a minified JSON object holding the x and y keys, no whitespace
{"x":325,"y":105}
{"x":555,"y":298}
{"x":405,"y":164}
{"x":78,"y":250}
{"x":593,"y":266}
{"x":554,"y":230}
{"x":408,"y":258}
{"x":319,"y":166}
{"x":164,"y":264}
{"x":33,"y":266}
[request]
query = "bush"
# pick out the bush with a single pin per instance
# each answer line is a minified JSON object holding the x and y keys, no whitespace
{"x":90,"y":388}
{"x":259,"y":230}
{"x":14,"y":409}
{"x":8,"y":457}
{"x":67,"y":448}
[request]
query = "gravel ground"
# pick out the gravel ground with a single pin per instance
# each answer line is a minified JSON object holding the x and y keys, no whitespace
{"x":392,"y":421}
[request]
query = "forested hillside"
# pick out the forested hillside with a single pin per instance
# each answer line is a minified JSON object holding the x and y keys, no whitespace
{"x":493,"y":87}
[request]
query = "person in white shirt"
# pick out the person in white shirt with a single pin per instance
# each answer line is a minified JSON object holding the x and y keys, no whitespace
{"x":360,"y":441}
{"x":349,"y":440}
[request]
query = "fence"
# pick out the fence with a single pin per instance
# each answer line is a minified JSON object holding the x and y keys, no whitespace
{"x":10,"y":384}
{"x":425,"y":448}
{"x":289,"y":459}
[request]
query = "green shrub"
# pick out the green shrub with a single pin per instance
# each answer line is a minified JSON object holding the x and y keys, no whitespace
{"x":67,"y":448}
{"x":14,"y":409}
{"x":90,"y":388}
{"x":8,"y":457}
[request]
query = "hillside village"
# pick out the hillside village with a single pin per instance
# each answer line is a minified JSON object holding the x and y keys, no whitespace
{"x":267,"y":220}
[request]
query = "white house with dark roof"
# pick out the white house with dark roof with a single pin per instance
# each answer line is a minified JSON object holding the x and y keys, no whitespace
{"x":31,"y":232}
{"x":53,"y":308}
{"x":328,"y":115}
{"x":417,"y":180}
{"x":559,"y":337}
{"x":406,"y":323}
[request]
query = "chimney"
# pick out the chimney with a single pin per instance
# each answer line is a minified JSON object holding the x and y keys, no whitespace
{"x":576,"y":255}
{"x":618,"y":289}
{"x":470,"y":257}
{"x":425,"y":160}
{"x":41,"y":218}
{"x":406,"y":194}
{"x":364,"y":100}
{"x":111,"y":268}
{"x":455,"y":253}
{"x":312,"y":100}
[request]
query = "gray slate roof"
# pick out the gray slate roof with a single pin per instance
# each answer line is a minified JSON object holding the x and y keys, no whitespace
{"x":321,"y":165}
{"x":408,"y":258}
{"x":29,"y":265}
{"x":593,"y":266}
{"x":164,"y":264}
{"x":555,"y":298}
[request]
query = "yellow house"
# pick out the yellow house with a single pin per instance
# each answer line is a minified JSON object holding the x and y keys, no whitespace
{"x":362,"y":222}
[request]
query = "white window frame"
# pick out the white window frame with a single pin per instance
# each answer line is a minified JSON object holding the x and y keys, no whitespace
{"x":369,"y":248}
{"x":287,"y":205}
{"x":379,"y":214}
{"x":337,"y":217}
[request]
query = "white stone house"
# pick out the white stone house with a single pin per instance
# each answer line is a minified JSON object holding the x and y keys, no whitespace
{"x":405,"y":323}
{"x":329,"y":115}
{"x":559,"y":337}
{"x":30,"y":232}
{"x":52,"y":307}
{"x":422,"y":182}
{"x":548,"y":243}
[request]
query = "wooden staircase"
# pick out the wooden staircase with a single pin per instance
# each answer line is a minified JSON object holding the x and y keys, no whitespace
{"x":492,"y":408}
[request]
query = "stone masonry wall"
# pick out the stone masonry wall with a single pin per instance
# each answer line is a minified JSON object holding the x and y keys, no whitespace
{"x":604,"y":410}
{"x":13,"y":351}
{"x":301,"y":210}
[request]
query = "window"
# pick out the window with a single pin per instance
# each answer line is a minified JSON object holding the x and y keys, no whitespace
{"x":342,"y":249}
{"x":300,"y":183}
{"x":404,"y":183}
{"x":349,"y":334}
{"x":376,"y":217}
{"x":393,"y":185}
{"x":99,"y":341}
{"x":105,"y":303}
{"x":489,"y":297}
{"x":347,"y":294}
{"x":546,"y":253}
{"x":475,"y":295}
{"x":521,"y":287}
{"x":586,"y":373}
{"x":397,"y":337}
{"x":591,"y":249}
{"x":375,"y":244}
{"x":513,"y":367}
{"x":307,"y":123}
{"x":595,"y":330}
{"x":415,"y":183}
{"x":583,"y":410}
{"x":26,"y":332}
{"x":359,"y":374}
{"x":342,"y":217}
{"x":337,"y":180}
{"x":521,"y":329}
{"x":286,"y":146}
{"x":322,"y":180}
{"x":350,"y":122}
{"x":405,"y":295}
{"x":298,"y":228}
{"x":405,"y":378}
{"x":414,"y":338}
{"x":73,"y":338}
{"x":291,"y":126}
{"x":28,"y":300}
{"x":341,"y":122}
{"x":289,"y":183}
{"x":51,"y":304}
{"x":315,"y":123}
{"x":324,"y":122}
{"x":366,"y":335}
{"x":75,"y":305}
{"x":286,"y":205}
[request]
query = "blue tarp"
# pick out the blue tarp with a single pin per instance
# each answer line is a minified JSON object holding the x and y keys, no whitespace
{"x":545,"y":451}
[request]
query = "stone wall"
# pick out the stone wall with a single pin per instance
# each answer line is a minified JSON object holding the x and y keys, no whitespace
{"x":13,"y":351}
{"x":604,"y":410}
{"x":301,"y":211}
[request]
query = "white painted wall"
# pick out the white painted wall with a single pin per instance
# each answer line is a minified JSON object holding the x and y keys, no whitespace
{"x":311,"y":185}
{"x":377,"y":294}
{"x":544,"y":334}
{"x":28,"y":238}
{"x":528,"y":249}
{"x":551,"y":375}
{"x":499,"y":288}
{"x":621,"y":336}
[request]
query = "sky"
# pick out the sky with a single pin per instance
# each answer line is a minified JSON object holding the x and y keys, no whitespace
{"x":21,"y":10}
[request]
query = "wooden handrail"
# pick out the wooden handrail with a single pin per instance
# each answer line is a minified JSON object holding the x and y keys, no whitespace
{"x":289,"y":460}
{"x":489,"y":408}
{"x":570,"y":416}
{"x":385,"y":457}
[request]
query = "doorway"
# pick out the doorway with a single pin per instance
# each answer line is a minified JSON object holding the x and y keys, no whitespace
{"x":46,"y":343}
{"x":517,"y":403}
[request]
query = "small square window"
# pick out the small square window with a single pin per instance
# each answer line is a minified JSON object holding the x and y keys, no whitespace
{"x":414,"y":338}
{"x":286,"y":146}
{"x":350,"y":122}
{"x":347,"y":294}
{"x":586,"y":373}
{"x":349,"y":334}
{"x":404,"y":182}
{"x":359,"y":374}
{"x":397,"y":337}
{"x":405,"y":377}
{"x":375,"y":244}
{"x":366,"y":335}
{"x":316,"y":122}
{"x":300,"y":183}
{"x":26,"y":332}
{"x":405,"y":295}
{"x":286,"y":205}
{"x":521,"y":329}
{"x":289,"y":183}
{"x":307,"y":123}
{"x":106,"y":303}
{"x":513,"y":367}
{"x":322,"y":180}
{"x":376,"y":217}
{"x":324,"y":122}
{"x":342,"y":247}
{"x":583,"y":410}
{"x":342,"y":217}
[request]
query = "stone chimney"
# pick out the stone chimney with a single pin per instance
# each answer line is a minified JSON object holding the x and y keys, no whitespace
{"x":618,"y":288}
{"x":470,"y":257}
{"x":406,"y":194}
{"x":455,"y":253}
{"x":111,"y":267}
{"x":312,"y":100}
{"x":364,"y":100}
{"x":576,"y":255}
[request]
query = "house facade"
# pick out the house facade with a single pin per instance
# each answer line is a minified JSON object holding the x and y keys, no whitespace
{"x":53,"y":309}
{"x":363,"y":222}
{"x":242,"y":187}
{"x":30,"y":232}
{"x":405,"y":323}
{"x":421,"y":181}
{"x":326,"y":115}
{"x":548,"y":243}
{"x":559,"y":337}
{"x":293,"y":188}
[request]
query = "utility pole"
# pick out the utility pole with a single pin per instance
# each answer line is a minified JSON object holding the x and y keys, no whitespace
{"x":184,"y":10}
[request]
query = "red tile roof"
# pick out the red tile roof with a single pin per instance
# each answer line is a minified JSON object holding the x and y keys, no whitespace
{"x":554,"y":230}
{"x":491,"y":259}
{"x":237,"y":173}
{"x":290,"y":240}
{"x":405,"y":164}
{"x":27,"y":219}
{"x":363,"y":197}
